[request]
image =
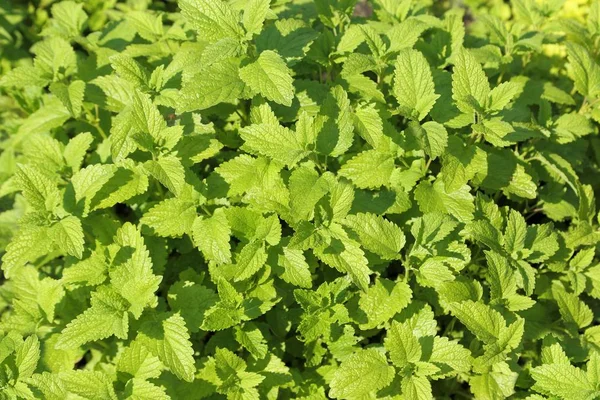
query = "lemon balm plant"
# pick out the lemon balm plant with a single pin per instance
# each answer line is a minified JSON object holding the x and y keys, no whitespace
{"x":299,"y":199}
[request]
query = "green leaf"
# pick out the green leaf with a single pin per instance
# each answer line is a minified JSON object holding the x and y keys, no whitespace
{"x":457,"y":164}
{"x":147,"y":119}
{"x":495,"y":131}
{"x":502,"y":280}
{"x":39,"y":190}
{"x":169,"y":171}
{"x":171,"y":217}
{"x":137,"y":361}
{"x":212,"y":235}
{"x":139,"y":389}
{"x":49,"y":116}
{"x":107,"y":316}
{"x":377,"y":234}
{"x":213,"y":84}
{"x":254,"y":15}
{"x":252,"y":339}
{"x":24,"y":76}
{"x":405,"y":34}
{"x":270,"y":77}
{"x":68,"y":20}
{"x":570,"y":127}
{"x":345,"y":255}
{"x":435,"y":198}
{"x":501,"y":95}
{"x":168,"y":339}
{"x":130,"y":70}
{"x":274,"y":141}
{"x":470,"y":86}
{"x":369,"y":125}
{"x":55,"y":58}
{"x":562,"y":380}
{"x":76,"y":149}
{"x":572,"y":309}
{"x":126,"y":183}
{"x":94,"y":385}
{"x":363,"y":372}
{"x":27,"y":357}
{"x":485,"y":322}
{"x":71,"y":96}
{"x":334,"y":123}
{"x":416,"y":388}
{"x":402,"y":344}
{"x":413,"y":84}
{"x":213,"y":19}
{"x":306,"y":189}
{"x":241,"y":383}
{"x":431,"y":137}
{"x":499,"y":383}
{"x":28,"y":244}
{"x":369,"y":169}
{"x":585,"y":72}
{"x":148,"y":26}
{"x":450,"y":353}
{"x":381,"y":301}
{"x":49,"y":385}
{"x":192,"y":301}
{"x":132,"y":275}
{"x":515,"y":233}
{"x":251,"y":259}
{"x":68,"y":236}
{"x":295,"y":268}
{"x":87,"y":183}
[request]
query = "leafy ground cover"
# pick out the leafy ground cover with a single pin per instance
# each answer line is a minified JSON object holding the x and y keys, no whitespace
{"x":299,"y":199}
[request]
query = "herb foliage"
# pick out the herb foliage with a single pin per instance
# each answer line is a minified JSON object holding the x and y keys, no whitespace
{"x":299,"y":199}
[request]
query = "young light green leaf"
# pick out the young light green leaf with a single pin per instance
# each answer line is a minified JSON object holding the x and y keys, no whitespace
{"x":381,"y":301}
{"x":483,"y":321}
{"x":168,"y":339}
{"x":132,"y":275}
{"x":250,"y":260}
{"x":39,"y":190}
{"x":216,"y":83}
{"x":369,"y":169}
{"x":213,"y":19}
{"x":501,"y":95}
{"x":515,"y":233}
{"x":413,"y":84}
{"x":212,"y":236}
{"x":76,"y":149}
{"x":130,"y":70}
{"x":107,"y":316}
{"x":377,"y":234}
{"x":470,"y":86}
{"x":269,"y":76}
{"x":172,"y":217}
{"x":254,"y":16}
{"x":562,"y":380}
{"x":572,"y":309}
{"x":363,"y":372}
{"x":68,"y":235}
{"x":402,"y":344}
{"x":71,"y":96}
{"x":168,"y":171}
{"x":274,"y":141}
{"x":431,"y":137}
{"x":585,"y":72}
{"x":137,"y":361}
{"x":295,"y":268}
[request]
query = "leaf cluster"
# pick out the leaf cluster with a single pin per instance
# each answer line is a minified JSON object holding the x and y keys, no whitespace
{"x":260,"y":199}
